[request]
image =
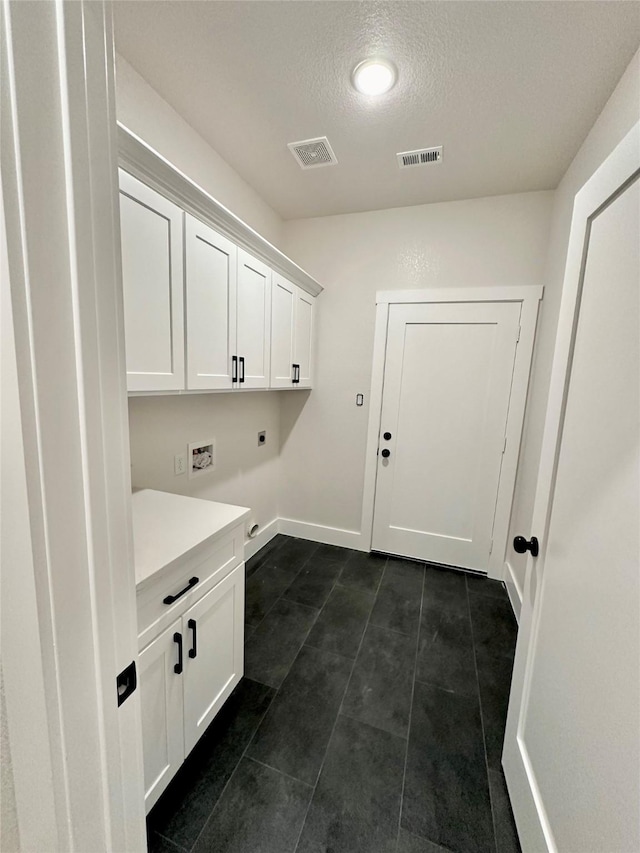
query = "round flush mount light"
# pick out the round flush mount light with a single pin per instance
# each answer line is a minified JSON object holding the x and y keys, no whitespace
{"x":374,"y":76}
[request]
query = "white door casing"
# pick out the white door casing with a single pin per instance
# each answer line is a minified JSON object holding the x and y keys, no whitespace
{"x":60,"y":198}
{"x":528,"y":299}
{"x":447,"y":385}
{"x":253,"y":322}
{"x":153,"y":286}
{"x":571,"y":754}
{"x":211,"y":306}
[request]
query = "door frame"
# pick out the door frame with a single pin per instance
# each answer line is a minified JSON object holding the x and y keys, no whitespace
{"x":616,"y":172}
{"x":69,"y":618}
{"x":529,"y":298}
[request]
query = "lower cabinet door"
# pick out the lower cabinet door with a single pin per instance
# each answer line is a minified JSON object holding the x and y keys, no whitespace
{"x":213,"y":653}
{"x":162,"y":715}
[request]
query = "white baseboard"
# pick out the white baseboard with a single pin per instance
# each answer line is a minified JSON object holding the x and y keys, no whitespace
{"x":265,"y":534}
{"x":323,"y":534}
{"x":513,"y":589}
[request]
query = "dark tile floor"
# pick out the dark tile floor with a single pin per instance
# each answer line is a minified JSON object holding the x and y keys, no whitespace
{"x":370,"y":718}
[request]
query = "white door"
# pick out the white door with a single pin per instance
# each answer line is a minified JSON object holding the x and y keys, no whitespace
{"x":303,"y":338}
{"x":283,"y":301}
{"x":572,"y":747}
{"x":161,"y":698}
{"x":447,"y":382}
{"x":152,"y":279}
{"x":214,"y":653}
{"x":254,"y":322}
{"x":211,"y":269}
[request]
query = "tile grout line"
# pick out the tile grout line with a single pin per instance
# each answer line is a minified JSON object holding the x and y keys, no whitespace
{"x":267,"y":612}
{"x":281,"y":772}
{"x":335,"y":723}
{"x":276,"y":690}
{"x":484,"y":740}
{"x":266,"y":710}
{"x":262,"y":561}
{"x":172,"y":843}
{"x":233,"y":773}
{"x":250,"y":740}
{"x":413,"y":690}
{"x":372,"y":725}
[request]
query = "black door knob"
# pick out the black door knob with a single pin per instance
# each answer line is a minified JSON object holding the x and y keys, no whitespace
{"x":386,"y":436}
{"x":386,"y":453}
{"x":522,"y":546}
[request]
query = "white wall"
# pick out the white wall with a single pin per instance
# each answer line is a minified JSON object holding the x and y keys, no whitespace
{"x":481,"y":242}
{"x":621,"y":112}
{"x":163,"y":426}
{"x":147,"y":114}
{"x":9,"y":833}
{"x":246,"y":474}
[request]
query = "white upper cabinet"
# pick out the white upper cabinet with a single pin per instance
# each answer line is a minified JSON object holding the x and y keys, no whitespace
{"x":153,"y":283}
{"x":200,"y":313}
{"x":292,"y":335}
{"x":253,"y":347}
{"x":303,"y":338}
{"x":211,"y":307}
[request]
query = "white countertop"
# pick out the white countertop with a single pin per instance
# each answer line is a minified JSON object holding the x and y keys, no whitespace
{"x":168,"y":526}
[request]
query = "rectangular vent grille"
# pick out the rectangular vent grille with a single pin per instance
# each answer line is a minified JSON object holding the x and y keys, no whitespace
{"x":311,"y":153}
{"x":421,"y":157}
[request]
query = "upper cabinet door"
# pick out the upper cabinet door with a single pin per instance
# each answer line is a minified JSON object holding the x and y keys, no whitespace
{"x":211,"y":271}
{"x":303,"y":338}
{"x":283,"y":300}
{"x":253,"y":346}
{"x":152,"y":275}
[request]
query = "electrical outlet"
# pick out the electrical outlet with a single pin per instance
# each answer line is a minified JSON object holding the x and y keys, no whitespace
{"x":180,"y":464}
{"x":262,"y":437}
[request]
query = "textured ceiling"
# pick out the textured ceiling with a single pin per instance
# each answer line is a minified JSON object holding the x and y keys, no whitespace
{"x":510,"y":89}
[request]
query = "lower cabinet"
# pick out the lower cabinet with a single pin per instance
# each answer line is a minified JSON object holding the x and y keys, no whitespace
{"x":185,"y":675}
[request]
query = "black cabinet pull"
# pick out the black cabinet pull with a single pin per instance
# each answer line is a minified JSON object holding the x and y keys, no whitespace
{"x":386,"y":453}
{"x":177,"y":638}
{"x":296,"y":374}
{"x":521,"y":545}
{"x":234,"y":368}
{"x":171,"y":598}
{"x":241,"y":360}
{"x":193,"y":651}
{"x":387,"y":436}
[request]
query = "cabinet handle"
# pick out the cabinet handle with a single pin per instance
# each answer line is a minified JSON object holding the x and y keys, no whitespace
{"x":241,"y":360}
{"x":177,"y":638}
{"x":193,"y":651}
{"x":296,"y":374}
{"x":234,"y":368}
{"x":171,"y":598}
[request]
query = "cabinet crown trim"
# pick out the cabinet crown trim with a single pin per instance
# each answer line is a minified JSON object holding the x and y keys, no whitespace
{"x":145,"y":163}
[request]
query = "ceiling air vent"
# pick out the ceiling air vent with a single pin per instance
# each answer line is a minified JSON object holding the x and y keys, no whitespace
{"x":421,"y":157}
{"x":311,"y":153}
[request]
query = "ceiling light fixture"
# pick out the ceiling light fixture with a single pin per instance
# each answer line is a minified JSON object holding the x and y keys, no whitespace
{"x":374,"y":76}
